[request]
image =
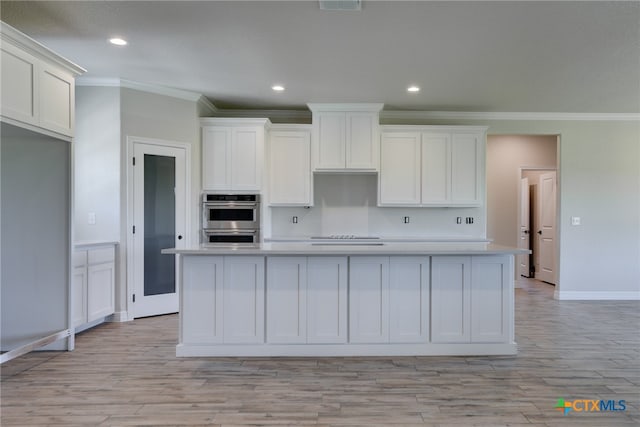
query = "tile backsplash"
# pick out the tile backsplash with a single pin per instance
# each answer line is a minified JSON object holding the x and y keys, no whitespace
{"x":346,"y":204}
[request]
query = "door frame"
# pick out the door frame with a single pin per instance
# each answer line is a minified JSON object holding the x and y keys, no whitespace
{"x":130,"y":259}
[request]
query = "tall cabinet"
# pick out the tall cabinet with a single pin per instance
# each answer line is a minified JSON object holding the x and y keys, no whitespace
{"x":37,"y":119}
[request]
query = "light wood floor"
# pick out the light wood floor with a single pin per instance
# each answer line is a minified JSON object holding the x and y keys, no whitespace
{"x":127,"y":374}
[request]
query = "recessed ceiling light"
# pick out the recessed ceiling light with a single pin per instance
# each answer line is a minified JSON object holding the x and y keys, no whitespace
{"x":278,"y":88}
{"x":118,"y":41}
{"x":413,"y":89}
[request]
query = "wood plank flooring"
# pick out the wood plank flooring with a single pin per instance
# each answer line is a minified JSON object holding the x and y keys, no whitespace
{"x":125,"y":374}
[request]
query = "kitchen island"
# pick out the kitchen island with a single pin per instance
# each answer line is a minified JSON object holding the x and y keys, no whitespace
{"x":347,"y":299}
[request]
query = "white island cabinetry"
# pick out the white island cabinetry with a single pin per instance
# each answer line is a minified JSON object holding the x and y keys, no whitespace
{"x":299,"y":299}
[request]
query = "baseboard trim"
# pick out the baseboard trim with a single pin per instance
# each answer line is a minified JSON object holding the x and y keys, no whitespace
{"x":596,"y":295}
{"x":118,"y":316}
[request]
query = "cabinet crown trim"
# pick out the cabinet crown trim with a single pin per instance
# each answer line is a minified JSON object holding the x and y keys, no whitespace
{"x":352,"y":107}
{"x":420,"y":128}
{"x":235,"y":121}
{"x":10,"y":35}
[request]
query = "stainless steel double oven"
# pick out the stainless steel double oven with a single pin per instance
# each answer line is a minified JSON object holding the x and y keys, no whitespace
{"x":230,"y":219}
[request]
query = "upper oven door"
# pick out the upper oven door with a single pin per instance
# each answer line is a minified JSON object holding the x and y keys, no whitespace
{"x":231,"y":215}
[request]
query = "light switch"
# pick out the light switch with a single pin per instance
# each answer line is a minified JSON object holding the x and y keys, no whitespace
{"x":295,"y":219}
{"x":575,"y":220}
{"x":406,"y":220}
{"x":91,"y":219}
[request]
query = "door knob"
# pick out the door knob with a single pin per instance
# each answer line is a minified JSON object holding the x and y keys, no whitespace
{"x":540,"y":232}
{"x":179,"y":236}
{"x":526,"y":231}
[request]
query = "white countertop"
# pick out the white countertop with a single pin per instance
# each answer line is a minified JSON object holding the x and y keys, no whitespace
{"x":346,"y":248}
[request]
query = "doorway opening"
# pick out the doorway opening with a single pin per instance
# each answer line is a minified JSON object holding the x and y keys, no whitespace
{"x":522,"y":211}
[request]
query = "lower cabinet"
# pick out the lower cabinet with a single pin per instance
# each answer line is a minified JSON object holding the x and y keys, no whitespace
{"x":306,"y":300}
{"x":389,"y":299}
{"x":470,"y":299}
{"x":222,"y":300}
{"x":243,"y":299}
{"x":93,"y":284}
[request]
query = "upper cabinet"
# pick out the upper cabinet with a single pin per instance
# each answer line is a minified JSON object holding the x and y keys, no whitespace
{"x":38,"y":86}
{"x":345,"y":137}
{"x":233,"y":154}
{"x":289,"y":163}
{"x":432,"y":166}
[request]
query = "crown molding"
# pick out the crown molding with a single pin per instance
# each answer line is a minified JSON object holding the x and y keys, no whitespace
{"x":21,"y":40}
{"x":385,"y":115}
{"x":143,"y":87}
{"x":469,"y":115}
{"x":273,"y":114}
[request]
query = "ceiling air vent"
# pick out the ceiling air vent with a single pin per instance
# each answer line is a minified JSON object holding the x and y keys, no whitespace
{"x":340,"y":4}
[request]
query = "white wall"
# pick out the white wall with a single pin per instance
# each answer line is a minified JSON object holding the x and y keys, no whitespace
{"x":149,"y":115}
{"x":346,"y":204}
{"x":105,"y":116}
{"x":97,"y":163}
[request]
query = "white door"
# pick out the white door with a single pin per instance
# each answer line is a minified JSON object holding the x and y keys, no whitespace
{"x":547,"y":227}
{"x":159,"y":215}
{"x":525,"y":231}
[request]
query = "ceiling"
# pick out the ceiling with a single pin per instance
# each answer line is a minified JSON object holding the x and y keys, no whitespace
{"x":542,"y":56}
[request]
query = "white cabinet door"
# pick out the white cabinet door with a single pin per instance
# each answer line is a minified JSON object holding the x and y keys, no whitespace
{"x":100,"y":290}
{"x":286,"y":300}
{"x":368,"y":299}
{"x":232,"y":156}
{"x":57,"y":100}
{"x":327,"y":300}
{"x":290,"y":168}
{"x":409,"y":299}
{"x":19,"y":84}
{"x":243,"y":299}
{"x":345,"y":137}
{"x":201,"y":303}
{"x":216,"y":158}
{"x":246,"y":159}
{"x":362,"y":146}
{"x":491,"y":287}
{"x":436,"y":161}
{"x":465,"y":169}
{"x":399,"y":180}
{"x":79,"y":295}
{"x":330,"y":140}
{"x":450,"y":299}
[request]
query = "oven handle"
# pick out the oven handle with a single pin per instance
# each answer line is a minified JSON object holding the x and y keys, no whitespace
{"x":229,"y":205}
{"x":230,"y":231}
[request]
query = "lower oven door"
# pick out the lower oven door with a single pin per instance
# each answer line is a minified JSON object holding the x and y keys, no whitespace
{"x":214,"y":237}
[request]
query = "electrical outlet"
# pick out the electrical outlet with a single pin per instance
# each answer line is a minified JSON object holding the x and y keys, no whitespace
{"x":295,"y":219}
{"x":575,"y":220}
{"x":91,"y":219}
{"x":469,"y":220}
{"x":406,"y":220}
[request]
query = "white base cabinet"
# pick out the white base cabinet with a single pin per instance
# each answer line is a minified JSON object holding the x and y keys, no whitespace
{"x":306,"y":300}
{"x":330,"y":305}
{"x":472,"y":299}
{"x":93,"y":284}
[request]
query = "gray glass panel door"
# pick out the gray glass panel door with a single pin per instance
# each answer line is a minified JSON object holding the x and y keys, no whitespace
{"x":159,"y":224}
